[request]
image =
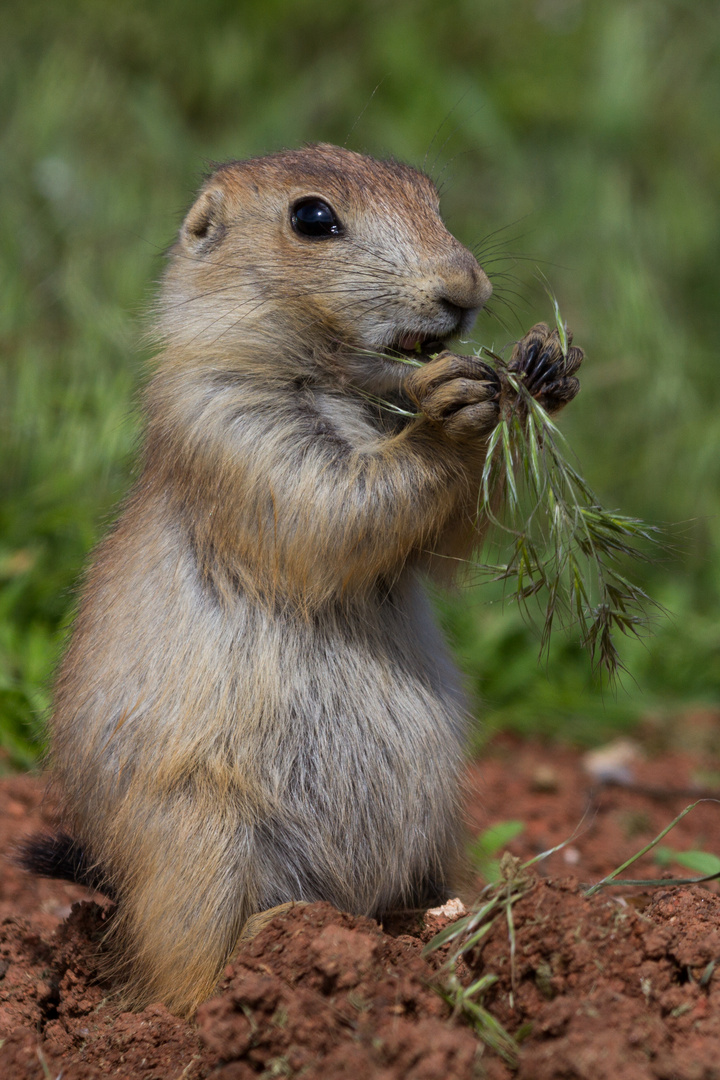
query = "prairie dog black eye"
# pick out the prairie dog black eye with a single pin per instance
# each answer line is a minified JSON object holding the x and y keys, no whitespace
{"x":315,"y":219}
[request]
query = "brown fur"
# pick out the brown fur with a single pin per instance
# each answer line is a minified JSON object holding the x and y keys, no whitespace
{"x":256,"y":706}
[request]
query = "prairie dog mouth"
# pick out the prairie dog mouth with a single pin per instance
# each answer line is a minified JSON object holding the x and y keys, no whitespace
{"x":414,"y":347}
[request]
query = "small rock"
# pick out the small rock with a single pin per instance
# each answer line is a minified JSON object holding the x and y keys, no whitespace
{"x":544,"y":778}
{"x":452,"y":909}
{"x":613,"y":763}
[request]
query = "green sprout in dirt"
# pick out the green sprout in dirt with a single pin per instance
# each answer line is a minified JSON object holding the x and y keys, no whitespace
{"x":484,"y":850}
{"x":566,"y":548}
{"x":695,"y":860}
{"x":496,"y":900}
{"x":700,"y":862}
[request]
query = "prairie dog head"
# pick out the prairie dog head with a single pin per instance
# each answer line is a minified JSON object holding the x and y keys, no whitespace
{"x":317,"y":256}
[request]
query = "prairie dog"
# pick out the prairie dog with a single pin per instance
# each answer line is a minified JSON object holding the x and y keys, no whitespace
{"x":256,"y":706}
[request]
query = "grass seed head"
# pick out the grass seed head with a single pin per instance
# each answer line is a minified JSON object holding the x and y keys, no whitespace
{"x":566,"y":549}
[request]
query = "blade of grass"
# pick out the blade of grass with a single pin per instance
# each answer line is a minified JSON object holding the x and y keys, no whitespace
{"x":610,"y":878}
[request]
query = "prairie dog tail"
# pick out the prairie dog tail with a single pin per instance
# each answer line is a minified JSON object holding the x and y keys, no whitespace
{"x":58,"y":855}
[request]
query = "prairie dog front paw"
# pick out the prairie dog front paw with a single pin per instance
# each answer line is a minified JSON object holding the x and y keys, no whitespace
{"x":548,"y":374}
{"x":460,"y":393}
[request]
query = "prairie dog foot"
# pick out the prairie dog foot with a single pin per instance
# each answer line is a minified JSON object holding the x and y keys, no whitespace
{"x":260,"y":920}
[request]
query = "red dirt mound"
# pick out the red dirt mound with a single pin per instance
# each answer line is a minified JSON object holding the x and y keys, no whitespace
{"x":617,"y":986}
{"x":319,"y":989}
{"x":609,"y":993}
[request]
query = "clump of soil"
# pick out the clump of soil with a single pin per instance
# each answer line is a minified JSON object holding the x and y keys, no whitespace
{"x":617,"y":987}
{"x":319,"y":988}
{"x":57,"y":1016}
{"x":609,"y":992}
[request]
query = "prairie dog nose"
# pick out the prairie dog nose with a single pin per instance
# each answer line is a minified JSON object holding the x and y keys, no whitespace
{"x":463,"y":284}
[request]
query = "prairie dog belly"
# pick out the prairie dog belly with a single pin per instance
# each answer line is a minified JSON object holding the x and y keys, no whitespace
{"x":367,"y":756}
{"x":337,"y":737}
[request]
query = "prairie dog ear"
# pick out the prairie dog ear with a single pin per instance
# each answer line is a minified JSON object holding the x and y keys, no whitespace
{"x":204,"y":225}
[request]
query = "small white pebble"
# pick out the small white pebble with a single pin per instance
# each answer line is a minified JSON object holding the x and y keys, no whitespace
{"x":453,"y":909}
{"x":613,"y":762}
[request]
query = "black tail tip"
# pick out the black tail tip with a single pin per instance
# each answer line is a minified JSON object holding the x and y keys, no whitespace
{"x":58,"y":855}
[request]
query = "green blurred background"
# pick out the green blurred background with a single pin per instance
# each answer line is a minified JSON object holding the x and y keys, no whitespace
{"x":586,"y":133}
